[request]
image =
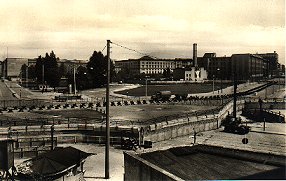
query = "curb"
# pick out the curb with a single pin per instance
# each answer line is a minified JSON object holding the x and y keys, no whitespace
{"x":269,"y":132}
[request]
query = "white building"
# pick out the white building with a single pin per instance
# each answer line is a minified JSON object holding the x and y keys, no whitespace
{"x":148,"y":65}
{"x":196,"y":74}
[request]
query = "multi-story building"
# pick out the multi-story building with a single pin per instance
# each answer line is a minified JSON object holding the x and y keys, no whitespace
{"x":70,"y":65}
{"x":217,"y":67}
{"x":149,"y":66}
{"x":248,"y":66}
{"x":11,"y":67}
{"x":272,"y":62}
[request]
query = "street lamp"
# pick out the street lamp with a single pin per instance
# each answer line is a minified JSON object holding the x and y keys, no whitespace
{"x":213,"y":83}
{"x":146,"y":87}
{"x":219,"y":76}
{"x":146,"y":91}
{"x":74,"y":80}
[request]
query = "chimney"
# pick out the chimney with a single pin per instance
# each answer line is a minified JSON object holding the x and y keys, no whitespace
{"x":195,"y":55}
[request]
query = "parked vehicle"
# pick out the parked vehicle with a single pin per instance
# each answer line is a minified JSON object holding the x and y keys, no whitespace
{"x":233,"y":125}
{"x":161,"y":96}
{"x":129,"y":143}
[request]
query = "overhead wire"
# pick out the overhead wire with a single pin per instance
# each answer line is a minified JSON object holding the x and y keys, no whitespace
{"x":134,"y":50}
{"x":103,"y":48}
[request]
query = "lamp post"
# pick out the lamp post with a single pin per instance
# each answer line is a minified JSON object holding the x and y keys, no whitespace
{"x":146,"y":91}
{"x":43,"y":75}
{"x":146,"y":86}
{"x":220,"y":77}
{"x":74,"y":80}
{"x":213,"y":83}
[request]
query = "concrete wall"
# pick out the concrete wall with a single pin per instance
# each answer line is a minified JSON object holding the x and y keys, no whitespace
{"x":186,"y":126}
{"x":265,"y":105}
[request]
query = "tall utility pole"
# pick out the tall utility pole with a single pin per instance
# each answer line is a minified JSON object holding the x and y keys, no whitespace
{"x":74,"y":81}
{"x":107,"y":114}
{"x":234,"y":92}
{"x":5,"y":65}
{"x":27,"y":72}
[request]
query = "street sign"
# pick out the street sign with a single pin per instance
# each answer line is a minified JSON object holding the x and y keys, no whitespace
{"x":244,"y":140}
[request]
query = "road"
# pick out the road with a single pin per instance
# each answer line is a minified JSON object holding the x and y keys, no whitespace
{"x":5,"y":92}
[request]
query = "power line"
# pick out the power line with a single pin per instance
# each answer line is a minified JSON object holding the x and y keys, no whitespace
{"x":134,"y":50}
{"x":103,"y":48}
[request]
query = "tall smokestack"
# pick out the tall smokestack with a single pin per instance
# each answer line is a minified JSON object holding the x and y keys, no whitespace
{"x":195,"y":55}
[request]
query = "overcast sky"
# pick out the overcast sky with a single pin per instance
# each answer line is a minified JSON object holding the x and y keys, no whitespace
{"x":162,"y":28}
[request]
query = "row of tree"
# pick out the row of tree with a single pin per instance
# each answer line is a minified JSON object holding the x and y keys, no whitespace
{"x":47,"y":71}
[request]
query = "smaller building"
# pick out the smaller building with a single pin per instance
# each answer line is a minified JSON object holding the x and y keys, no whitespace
{"x":192,"y":74}
{"x":62,"y":163}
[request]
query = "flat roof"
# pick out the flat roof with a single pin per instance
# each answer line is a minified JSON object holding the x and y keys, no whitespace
{"x":204,"y":162}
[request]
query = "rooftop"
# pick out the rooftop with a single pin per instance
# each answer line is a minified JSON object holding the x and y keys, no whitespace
{"x":211,"y":162}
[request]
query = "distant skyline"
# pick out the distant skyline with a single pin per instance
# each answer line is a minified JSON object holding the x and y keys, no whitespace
{"x":73,"y":29}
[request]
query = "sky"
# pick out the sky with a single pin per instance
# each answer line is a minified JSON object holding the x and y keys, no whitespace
{"x":73,"y":29}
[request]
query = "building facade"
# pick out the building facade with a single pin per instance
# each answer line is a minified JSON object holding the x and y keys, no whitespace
{"x":196,"y":74}
{"x":248,"y":66}
{"x":70,"y":65}
{"x":11,"y":67}
{"x":149,"y":66}
{"x":272,"y":62}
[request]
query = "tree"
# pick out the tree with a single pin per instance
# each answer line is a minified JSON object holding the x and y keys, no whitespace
{"x":81,"y":78}
{"x":167,"y":73}
{"x":39,"y":69}
{"x":49,"y":66}
{"x":32,"y":72}
{"x":51,"y":70}
{"x":97,"y":69}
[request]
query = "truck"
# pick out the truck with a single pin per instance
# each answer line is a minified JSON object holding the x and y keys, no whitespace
{"x":233,"y":125}
{"x":161,"y":96}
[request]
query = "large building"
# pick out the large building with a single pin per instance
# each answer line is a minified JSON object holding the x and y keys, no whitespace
{"x":70,"y":65}
{"x":248,"y":66}
{"x":272,"y":62}
{"x":11,"y":67}
{"x":150,"y":66}
{"x":217,"y":67}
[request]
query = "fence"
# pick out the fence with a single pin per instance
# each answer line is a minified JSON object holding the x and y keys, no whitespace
{"x":21,"y":102}
{"x":33,"y":140}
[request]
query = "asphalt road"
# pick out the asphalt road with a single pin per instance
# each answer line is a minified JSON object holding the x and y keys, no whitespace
{"x":5,"y":92}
